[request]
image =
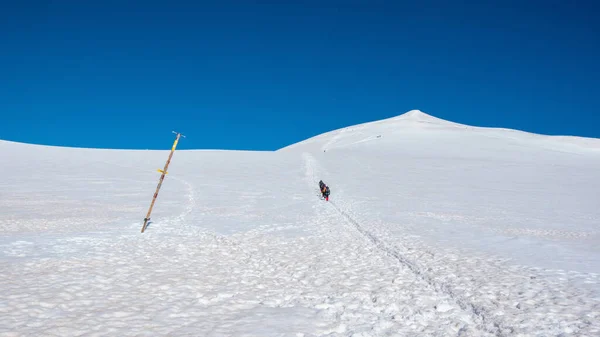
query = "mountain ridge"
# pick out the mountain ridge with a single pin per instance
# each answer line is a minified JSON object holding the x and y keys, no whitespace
{"x":414,"y":118}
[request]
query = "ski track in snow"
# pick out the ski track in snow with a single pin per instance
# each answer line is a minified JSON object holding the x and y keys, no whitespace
{"x":484,"y":320}
{"x":491,"y":301}
{"x":509,"y":299}
{"x":190,"y":205}
{"x":336,"y":137}
{"x":429,"y":288}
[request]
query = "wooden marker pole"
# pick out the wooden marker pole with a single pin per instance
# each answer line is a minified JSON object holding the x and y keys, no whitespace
{"x":162,"y":177}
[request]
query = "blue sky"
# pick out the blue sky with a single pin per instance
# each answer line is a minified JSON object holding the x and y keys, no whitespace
{"x":241,"y":75}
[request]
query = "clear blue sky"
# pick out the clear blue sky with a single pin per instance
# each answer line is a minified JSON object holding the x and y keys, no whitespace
{"x":237,"y":75}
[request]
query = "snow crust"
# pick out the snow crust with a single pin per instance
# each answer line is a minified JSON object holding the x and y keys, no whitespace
{"x":433,"y":228}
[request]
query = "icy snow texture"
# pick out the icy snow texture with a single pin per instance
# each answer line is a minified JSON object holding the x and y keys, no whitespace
{"x":433,"y":229}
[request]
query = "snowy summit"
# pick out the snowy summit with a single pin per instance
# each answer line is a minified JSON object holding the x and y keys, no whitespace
{"x":432,"y":228}
{"x":421,"y":117}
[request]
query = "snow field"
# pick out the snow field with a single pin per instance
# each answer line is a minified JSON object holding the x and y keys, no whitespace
{"x":432,"y":229}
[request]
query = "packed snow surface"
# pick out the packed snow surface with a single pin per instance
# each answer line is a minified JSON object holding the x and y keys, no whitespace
{"x":433,"y":228}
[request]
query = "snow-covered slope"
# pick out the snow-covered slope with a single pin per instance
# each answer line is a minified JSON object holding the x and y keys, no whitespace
{"x":416,"y":121}
{"x":433,"y":228}
{"x":493,"y":181}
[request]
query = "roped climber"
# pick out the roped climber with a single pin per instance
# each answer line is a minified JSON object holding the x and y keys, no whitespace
{"x":324,"y":190}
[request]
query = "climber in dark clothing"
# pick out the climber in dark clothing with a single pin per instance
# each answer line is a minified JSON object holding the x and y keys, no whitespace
{"x":326,"y":194}
{"x":324,"y":190}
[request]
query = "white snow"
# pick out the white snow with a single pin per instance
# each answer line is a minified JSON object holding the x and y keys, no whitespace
{"x":433,"y":228}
